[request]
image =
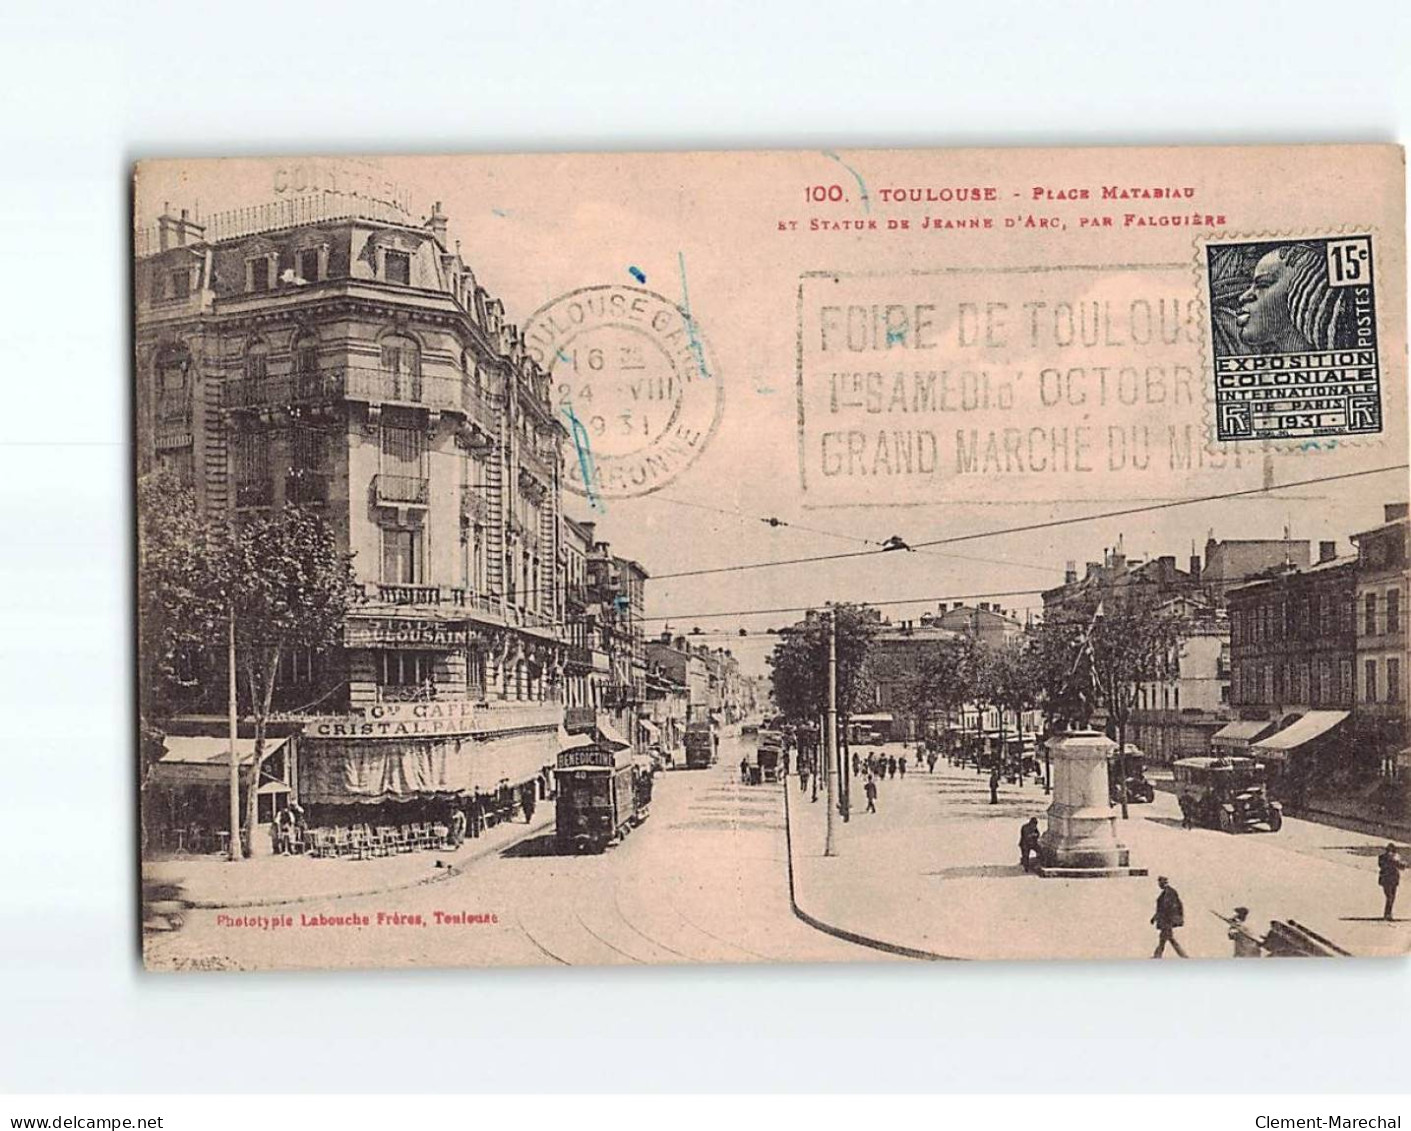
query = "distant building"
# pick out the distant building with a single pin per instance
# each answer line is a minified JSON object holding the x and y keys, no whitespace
{"x":1293,"y":650}
{"x":1383,"y":581}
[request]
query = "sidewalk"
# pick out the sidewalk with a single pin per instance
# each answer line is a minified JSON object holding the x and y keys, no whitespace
{"x":264,"y":881}
{"x":935,"y":872}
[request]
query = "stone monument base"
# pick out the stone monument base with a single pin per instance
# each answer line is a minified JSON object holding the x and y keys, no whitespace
{"x":1081,"y":839}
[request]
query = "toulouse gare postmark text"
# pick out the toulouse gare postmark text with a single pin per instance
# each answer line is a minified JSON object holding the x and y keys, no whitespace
{"x":634,"y":382}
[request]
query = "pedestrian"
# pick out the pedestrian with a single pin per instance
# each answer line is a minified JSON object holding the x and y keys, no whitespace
{"x":1169,"y":916}
{"x":901,"y":766}
{"x":1390,"y":865}
{"x":994,"y":786}
{"x":528,"y":800}
{"x":870,"y":789}
{"x":744,"y":770}
{"x":920,"y":753}
{"x":1245,"y":944}
{"x":891,"y":765}
{"x":1187,"y":813}
{"x":856,"y":764}
{"x":931,"y":762}
{"x":457,"y":827}
{"x":1029,"y":842}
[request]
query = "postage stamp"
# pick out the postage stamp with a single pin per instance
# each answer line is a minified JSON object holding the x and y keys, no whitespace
{"x":634,"y":383}
{"x":1293,"y":331}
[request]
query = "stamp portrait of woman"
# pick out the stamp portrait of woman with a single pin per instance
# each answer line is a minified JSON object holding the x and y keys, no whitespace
{"x":1273,"y":299}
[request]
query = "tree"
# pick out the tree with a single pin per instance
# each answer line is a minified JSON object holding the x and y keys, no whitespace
{"x":289,"y":586}
{"x":798,"y":666}
{"x":179,"y":606}
{"x":1010,"y":684}
{"x":280,"y":578}
{"x":1102,"y":658}
{"x":935,"y":684}
{"x":1133,"y":643}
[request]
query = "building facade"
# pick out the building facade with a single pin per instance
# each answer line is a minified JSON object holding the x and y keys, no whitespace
{"x":335,"y":353}
{"x":1383,"y":581}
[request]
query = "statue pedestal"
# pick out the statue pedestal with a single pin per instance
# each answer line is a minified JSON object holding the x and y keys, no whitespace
{"x":1081,"y":840}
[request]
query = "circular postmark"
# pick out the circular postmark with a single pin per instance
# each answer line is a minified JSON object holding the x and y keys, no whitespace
{"x":633,"y":382}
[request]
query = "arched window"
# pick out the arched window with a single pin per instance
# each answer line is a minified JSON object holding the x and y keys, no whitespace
{"x":401,"y":366}
{"x":304,"y":353}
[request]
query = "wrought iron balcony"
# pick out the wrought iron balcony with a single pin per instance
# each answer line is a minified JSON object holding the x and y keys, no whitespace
{"x":401,"y":490}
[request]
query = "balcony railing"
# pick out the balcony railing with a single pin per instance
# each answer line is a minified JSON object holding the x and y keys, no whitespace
{"x":358,"y":383}
{"x":401,"y":490}
{"x":392,"y":594}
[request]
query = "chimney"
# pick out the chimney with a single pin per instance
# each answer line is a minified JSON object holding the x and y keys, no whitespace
{"x":1093,"y":568}
{"x":1327,"y":551}
{"x":177,"y":231}
{"x":1195,"y":567}
{"x":436,"y":225}
{"x":1070,"y":572}
{"x":1394,"y":511}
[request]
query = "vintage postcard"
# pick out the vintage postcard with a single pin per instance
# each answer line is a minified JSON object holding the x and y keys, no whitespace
{"x":772,"y":557}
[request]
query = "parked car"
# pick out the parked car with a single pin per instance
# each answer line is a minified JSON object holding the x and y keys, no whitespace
{"x":1139,"y":790}
{"x":1229,"y":794}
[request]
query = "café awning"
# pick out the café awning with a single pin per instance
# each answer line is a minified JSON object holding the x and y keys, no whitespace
{"x":1304,"y":730}
{"x":1241,"y":733}
{"x":205,"y":760}
{"x":648,"y":728}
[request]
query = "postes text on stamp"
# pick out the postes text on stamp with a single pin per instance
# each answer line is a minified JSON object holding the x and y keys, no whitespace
{"x":634,"y":384}
{"x":1293,"y":332}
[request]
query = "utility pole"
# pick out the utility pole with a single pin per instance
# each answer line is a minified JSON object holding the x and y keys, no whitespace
{"x":236,"y":850}
{"x":830,"y":734}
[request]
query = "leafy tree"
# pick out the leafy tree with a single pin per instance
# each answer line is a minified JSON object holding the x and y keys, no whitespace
{"x":281,"y":577}
{"x":1010,"y":684}
{"x":936,"y":684}
{"x":290,"y":586}
{"x":1133,"y":642}
{"x":798,"y":666}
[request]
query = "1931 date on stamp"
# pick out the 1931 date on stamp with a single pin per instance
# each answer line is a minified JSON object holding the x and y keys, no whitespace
{"x":1293,"y":328}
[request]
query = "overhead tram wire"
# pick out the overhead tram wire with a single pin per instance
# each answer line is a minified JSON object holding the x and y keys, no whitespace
{"x":1051,"y":524}
{"x":772,"y":521}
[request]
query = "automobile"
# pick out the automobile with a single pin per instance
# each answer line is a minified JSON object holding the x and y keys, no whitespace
{"x":1139,"y":790}
{"x":1226,"y":793}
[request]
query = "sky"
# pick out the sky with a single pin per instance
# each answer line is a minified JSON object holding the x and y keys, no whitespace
{"x":699,"y":230}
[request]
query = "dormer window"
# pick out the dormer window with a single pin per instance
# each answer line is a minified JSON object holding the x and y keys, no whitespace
{"x":397,"y":267}
{"x":310,"y":264}
{"x":259,"y":273}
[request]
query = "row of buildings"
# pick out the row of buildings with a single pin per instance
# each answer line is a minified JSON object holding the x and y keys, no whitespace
{"x":332,"y":351}
{"x":1296,"y":655}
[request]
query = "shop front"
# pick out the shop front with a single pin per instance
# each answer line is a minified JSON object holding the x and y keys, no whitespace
{"x":186,"y":804}
{"x":417,"y":762}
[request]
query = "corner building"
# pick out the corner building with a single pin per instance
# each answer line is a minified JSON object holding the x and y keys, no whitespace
{"x":331,"y":351}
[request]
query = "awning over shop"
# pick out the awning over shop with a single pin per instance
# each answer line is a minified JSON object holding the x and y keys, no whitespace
{"x":1240,"y":733}
{"x":204,"y":760}
{"x":608,"y":736}
{"x":1313,"y":725}
{"x":573,"y":741}
{"x":875,"y":717}
{"x":649,"y":728}
{"x":366,"y":771}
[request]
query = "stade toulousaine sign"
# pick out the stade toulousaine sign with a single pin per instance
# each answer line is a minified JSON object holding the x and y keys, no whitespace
{"x":344,"y":177}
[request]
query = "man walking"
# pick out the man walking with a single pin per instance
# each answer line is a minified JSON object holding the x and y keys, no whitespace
{"x":901,"y":766}
{"x":1169,"y":915}
{"x":1389,"y":868}
{"x":870,"y":789}
{"x":994,"y":786}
